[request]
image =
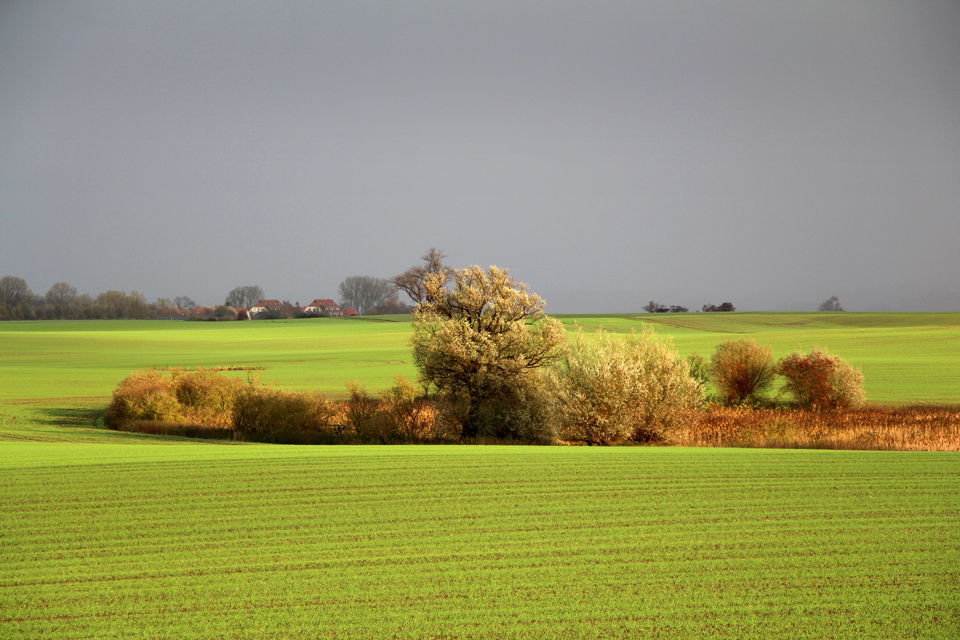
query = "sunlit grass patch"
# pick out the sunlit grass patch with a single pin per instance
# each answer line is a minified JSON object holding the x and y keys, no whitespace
{"x":493,"y":542}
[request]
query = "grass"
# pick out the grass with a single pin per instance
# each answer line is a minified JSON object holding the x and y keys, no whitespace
{"x":214,"y":541}
{"x":56,"y":376}
{"x":89,"y":358}
{"x":106,"y":534}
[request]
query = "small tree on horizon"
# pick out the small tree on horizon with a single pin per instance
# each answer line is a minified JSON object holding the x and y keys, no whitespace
{"x":831,"y":304}
{"x":365,"y":292}
{"x":183,"y":302}
{"x":244,"y":297}
{"x":411,"y":281}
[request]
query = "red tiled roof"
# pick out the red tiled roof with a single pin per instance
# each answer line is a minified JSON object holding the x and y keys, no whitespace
{"x":269,"y":304}
{"x":324,"y":304}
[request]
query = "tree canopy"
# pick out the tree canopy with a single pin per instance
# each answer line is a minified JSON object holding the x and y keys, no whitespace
{"x":14,"y":291}
{"x":244,"y":297}
{"x":477,"y":341}
{"x":364,"y":292}
{"x":831,"y":304}
{"x":411,"y":281}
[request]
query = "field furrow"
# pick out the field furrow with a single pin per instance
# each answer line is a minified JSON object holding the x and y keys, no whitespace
{"x":480,"y":543}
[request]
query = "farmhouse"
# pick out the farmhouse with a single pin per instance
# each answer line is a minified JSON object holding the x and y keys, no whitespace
{"x":264,"y":306}
{"x":328,"y":307}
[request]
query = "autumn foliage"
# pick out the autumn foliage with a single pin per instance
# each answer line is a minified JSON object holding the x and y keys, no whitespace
{"x":478,"y":345}
{"x":742,"y":370}
{"x":819,"y":381}
{"x":919,"y":428}
{"x":614,"y":388}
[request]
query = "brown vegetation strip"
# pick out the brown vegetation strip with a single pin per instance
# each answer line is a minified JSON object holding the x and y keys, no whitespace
{"x":224,"y":368}
{"x":921,"y":428}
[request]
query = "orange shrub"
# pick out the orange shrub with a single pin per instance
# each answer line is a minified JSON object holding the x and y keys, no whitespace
{"x":398,"y":415}
{"x":819,"y":380}
{"x":264,"y":410}
{"x":143,"y":396}
{"x":741,"y":370}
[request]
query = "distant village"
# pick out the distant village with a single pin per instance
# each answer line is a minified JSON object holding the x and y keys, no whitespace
{"x":268,"y":309}
{"x":359,"y":295}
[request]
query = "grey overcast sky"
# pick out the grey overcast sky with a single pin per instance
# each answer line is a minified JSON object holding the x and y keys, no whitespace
{"x":766,"y":153}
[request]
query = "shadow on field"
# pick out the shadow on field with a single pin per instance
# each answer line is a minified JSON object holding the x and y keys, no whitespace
{"x":72,"y":417}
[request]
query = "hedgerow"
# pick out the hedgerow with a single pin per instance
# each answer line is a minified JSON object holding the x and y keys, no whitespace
{"x":605,"y":389}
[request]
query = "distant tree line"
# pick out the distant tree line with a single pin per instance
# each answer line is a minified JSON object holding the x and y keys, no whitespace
{"x":62,"y":302}
{"x":656,"y":307}
{"x":18,"y":302}
{"x":726,"y":306}
{"x":366,"y":294}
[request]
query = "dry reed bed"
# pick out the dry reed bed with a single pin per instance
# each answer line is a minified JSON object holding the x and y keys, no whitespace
{"x":920,"y":428}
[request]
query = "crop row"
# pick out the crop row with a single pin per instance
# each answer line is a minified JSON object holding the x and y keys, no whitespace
{"x":493,"y":542}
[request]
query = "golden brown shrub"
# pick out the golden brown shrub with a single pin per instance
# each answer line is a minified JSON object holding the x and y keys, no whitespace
{"x":614,"y":388}
{"x":742,"y":370}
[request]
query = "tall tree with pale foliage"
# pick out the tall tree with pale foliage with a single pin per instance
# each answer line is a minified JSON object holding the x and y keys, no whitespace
{"x":481,"y":342}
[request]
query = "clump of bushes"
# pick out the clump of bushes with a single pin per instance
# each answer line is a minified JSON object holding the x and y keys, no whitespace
{"x":206,"y":404}
{"x":603,"y":389}
{"x":398,"y":414}
{"x":199,"y":398}
{"x":742,"y":370}
{"x":819,"y":380}
{"x":616,"y":388}
{"x":259,"y":409}
{"x":148,"y":400}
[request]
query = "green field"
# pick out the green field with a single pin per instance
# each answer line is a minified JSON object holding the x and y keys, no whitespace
{"x":213,"y":541}
{"x":106,"y":534}
{"x":56,"y":371}
{"x":906,"y":356}
{"x":62,"y":373}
